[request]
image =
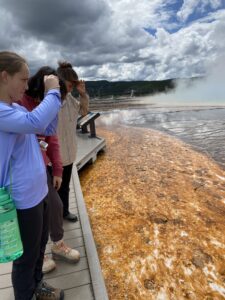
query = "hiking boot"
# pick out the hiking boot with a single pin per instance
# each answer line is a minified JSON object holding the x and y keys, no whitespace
{"x":48,"y":265}
{"x":61,"y":251}
{"x":70,"y":217}
{"x":45,"y":291}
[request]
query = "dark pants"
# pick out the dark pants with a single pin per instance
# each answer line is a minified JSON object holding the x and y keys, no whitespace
{"x":27,"y":270}
{"x":56,"y":211}
{"x":65,"y":188}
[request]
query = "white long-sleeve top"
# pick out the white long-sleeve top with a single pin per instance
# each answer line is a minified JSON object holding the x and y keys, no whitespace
{"x":67,"y":122}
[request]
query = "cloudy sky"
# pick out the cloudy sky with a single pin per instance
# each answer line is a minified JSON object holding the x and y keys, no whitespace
{"x":117,"y":39}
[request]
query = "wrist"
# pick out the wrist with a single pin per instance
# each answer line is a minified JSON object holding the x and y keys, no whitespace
{"x":54,"y":88}
{"x":83,"y":94}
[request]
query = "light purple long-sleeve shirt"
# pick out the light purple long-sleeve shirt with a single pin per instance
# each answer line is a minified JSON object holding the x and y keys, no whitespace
{"x":19,"y":145}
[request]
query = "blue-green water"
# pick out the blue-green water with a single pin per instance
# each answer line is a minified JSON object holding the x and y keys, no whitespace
{"x":203,"y":127}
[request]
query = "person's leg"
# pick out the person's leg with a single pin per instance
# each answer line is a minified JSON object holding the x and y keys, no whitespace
{"x":56,"y":212}
{"x":65,"y":188}
{"x":23,"y":271}
{"x":44,"y":290}
{"x":44,"y":239}
{"x":59,"y":248}
{"x":64,"y":192}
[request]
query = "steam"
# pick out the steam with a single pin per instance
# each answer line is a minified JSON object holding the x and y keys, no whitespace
{"x":209,"y":90}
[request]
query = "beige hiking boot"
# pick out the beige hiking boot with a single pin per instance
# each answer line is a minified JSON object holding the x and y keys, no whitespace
{"x":61,"y":251}
{"x":48,"y":265}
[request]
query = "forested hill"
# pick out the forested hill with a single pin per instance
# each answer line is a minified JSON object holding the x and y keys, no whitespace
{"x":105,"y":88}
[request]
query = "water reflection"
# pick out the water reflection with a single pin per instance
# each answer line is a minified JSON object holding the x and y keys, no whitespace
{"x":201,"y":127}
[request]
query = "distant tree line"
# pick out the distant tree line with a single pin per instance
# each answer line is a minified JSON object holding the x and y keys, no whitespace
{"x":104,"y":88}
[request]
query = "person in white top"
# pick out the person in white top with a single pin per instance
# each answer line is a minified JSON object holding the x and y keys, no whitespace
{"x":66,"y":131}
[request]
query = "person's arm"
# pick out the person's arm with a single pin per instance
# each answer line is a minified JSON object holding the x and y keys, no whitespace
{"x":43,"y":119}
{"x":52,"y":127}
{"x":54,"y":156}
{"x":83,"y":98}
{"x":84,"y":104}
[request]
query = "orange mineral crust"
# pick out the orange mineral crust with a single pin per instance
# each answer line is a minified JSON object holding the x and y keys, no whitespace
{"x":157,"y":211}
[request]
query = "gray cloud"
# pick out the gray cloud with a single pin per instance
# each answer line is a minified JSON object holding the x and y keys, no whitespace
{"x":62,"y":22}
{"x":106,"y":39}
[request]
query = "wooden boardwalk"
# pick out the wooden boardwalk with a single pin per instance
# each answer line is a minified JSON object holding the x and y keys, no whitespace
{"x":80,"y":281}
{"x":88,"y":148}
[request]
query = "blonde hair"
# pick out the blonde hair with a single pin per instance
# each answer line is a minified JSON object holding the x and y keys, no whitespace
{"x":11,"y":62}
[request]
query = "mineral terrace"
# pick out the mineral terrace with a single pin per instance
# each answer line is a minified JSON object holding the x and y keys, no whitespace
{"x":157,"y":211}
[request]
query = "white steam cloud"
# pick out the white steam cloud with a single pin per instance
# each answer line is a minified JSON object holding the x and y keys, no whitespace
{"x":206,"y":92}
{"x":209,"y":90}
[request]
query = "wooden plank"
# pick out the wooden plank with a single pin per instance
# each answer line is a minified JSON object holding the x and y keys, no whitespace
{"x":72,"y":208}
{"x":64,"y":268}
{"x":5,"y":268}
{"x":71,"y":280}
{"x":7,"y":294}
{"x":73,"y":204}
{"x":74,"y":211}
{"x":83,"y":292}
{"x":5,"y":281}
{"x":87,"y":149}
{"x":80,"y":293}
{"x":71,"y":225}
{"x":71,"y":234}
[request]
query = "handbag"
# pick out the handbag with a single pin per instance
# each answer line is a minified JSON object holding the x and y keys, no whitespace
{"x":11,"y":246}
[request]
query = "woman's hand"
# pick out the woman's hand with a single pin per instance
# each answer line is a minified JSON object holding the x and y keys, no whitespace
{"x":80,"y":86}
{"x":51,"y":82}
{"x":57,"y":182}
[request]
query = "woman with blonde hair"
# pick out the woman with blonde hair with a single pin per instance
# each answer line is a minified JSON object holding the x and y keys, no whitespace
{"x":23,"y":172}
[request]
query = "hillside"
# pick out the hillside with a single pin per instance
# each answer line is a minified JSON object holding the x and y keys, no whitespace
{"x":106,"y":89}
{"x":127,"y":88}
